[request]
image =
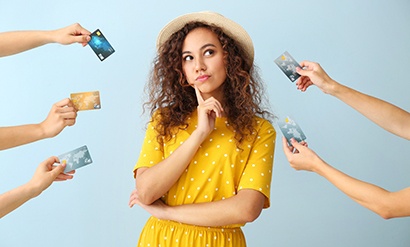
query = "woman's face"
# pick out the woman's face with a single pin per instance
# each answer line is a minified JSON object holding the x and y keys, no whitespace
{"x":203,"y":62}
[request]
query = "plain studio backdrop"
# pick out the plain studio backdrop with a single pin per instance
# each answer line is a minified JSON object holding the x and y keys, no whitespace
{"x":362,"y":44}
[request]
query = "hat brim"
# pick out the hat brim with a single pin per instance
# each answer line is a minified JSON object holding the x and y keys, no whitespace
{"x":231,"y":28}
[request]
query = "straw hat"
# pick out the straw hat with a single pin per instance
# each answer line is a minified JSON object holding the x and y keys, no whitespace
{"x":231,"y":28}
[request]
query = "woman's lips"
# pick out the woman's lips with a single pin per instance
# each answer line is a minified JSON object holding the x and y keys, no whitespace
{"x":202,"y":78}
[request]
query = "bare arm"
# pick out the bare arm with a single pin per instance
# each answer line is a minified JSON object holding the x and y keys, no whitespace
{"x":19,"y":135}
{"x":62,"y":114}
{"x":244,"y":207}
{"x":18,"y":41}
{"x":384,"y":114}
{"x":169,"y":170}
{"x":43,"y":177}
{"x":384,"y":203}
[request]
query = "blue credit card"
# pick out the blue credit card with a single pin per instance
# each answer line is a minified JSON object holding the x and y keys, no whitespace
{"x":100,"y":45}
{"x":75,"y":159}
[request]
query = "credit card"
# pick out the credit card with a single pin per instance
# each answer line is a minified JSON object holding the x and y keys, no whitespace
{"x":100,"y":45}
{"x":75,"y":159}
{"x":288,"y":65}
{"x":86,"y":100}
{"x":290,"y":129}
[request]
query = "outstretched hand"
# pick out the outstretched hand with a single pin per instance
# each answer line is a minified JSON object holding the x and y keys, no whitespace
{"x":313,"y":74}
{"x":62,"y":114}
{"x":300,"y":156}
{"x":74,"y":33}
{"x":46,"y":173}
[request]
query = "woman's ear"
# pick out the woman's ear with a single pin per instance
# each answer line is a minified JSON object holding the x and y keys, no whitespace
{"x":225,"y":57}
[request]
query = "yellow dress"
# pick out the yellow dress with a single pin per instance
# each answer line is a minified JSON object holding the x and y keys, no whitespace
{"x":217,"y":171}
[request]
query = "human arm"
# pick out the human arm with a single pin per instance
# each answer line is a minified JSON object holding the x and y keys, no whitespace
{"x":242,"y":208}
{"x":44,"y":175}
{"x":170,"y":169}
{"x":62,"y":114}
{"x":14,"y":42}
{"x":384,"y":114}
{"x":249,"y":194}
{"x":384,"y":203}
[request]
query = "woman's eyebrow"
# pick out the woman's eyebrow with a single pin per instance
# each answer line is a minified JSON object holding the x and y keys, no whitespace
{"x":202,"y":48}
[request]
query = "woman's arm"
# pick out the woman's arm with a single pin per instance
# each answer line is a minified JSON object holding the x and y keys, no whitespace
{"x":18,"y":41}
{"x":152,"y":183}
{"x":384,"y":203}
{"x":61,"y":115}
{"x":242,"y":208}
{"x":384,"y":114}
{"x":45,"y":174}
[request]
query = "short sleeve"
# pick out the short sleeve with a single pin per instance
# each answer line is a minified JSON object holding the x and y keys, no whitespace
{"x":257,"y":174}
{"x":151,"y":153}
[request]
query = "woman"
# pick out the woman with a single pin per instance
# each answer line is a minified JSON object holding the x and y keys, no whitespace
{"x":206,"y":163}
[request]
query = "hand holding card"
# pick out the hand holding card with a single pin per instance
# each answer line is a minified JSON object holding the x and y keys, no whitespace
{"x":290,"y":129}
{"x":75,"y":159}
{"x":288,"y":65}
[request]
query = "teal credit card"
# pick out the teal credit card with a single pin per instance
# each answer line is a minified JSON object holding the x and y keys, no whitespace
{"x":75,"y":159}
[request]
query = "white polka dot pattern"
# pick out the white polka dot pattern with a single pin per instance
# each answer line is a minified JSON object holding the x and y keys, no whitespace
{"x":219,"y":169}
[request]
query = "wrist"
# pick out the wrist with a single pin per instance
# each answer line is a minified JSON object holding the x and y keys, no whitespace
{"x":320,"y":167}
{"x":169,"y":213}
{"x":330,"y":86}
{"x":31,"y":189}
{"x":41,"y":131}
{"x":199,"y":136}
{"x":45,"y":37}
{"x":50,"y":36}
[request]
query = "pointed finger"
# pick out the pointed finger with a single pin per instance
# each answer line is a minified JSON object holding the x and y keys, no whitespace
{"x":198,"y":95}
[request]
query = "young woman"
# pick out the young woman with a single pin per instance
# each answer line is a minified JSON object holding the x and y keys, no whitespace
{"x":205,"y":167}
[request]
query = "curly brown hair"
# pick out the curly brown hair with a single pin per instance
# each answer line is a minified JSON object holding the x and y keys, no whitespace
{"x":172,"y":100}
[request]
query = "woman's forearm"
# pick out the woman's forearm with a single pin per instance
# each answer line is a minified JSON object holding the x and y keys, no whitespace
{"x":242,"y":208}
{"x":384,"y":203}
{"x":18,"y":41}
{"x":384,"y":114}
{"x":154,"y":182}
{"x":20,"y":135}
{"x":13,"y":199}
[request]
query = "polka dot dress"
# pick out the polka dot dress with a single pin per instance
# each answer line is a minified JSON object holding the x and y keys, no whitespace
{"x":218,"y":171}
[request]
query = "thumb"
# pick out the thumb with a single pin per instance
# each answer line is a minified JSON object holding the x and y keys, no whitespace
{"x":306,"y":68}
{"x":58,"y":170}
{"x":83,"y":39}
{"x":303,"y":72}
{"x":296,"y":144}
{"x":285,"y":146}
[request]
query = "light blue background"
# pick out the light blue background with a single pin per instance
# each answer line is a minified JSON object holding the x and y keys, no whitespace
{"x":363,"y":44}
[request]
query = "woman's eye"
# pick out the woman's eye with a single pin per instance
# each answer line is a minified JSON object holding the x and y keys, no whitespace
{"x":208,"y":52}
{"x":188,"y":58}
